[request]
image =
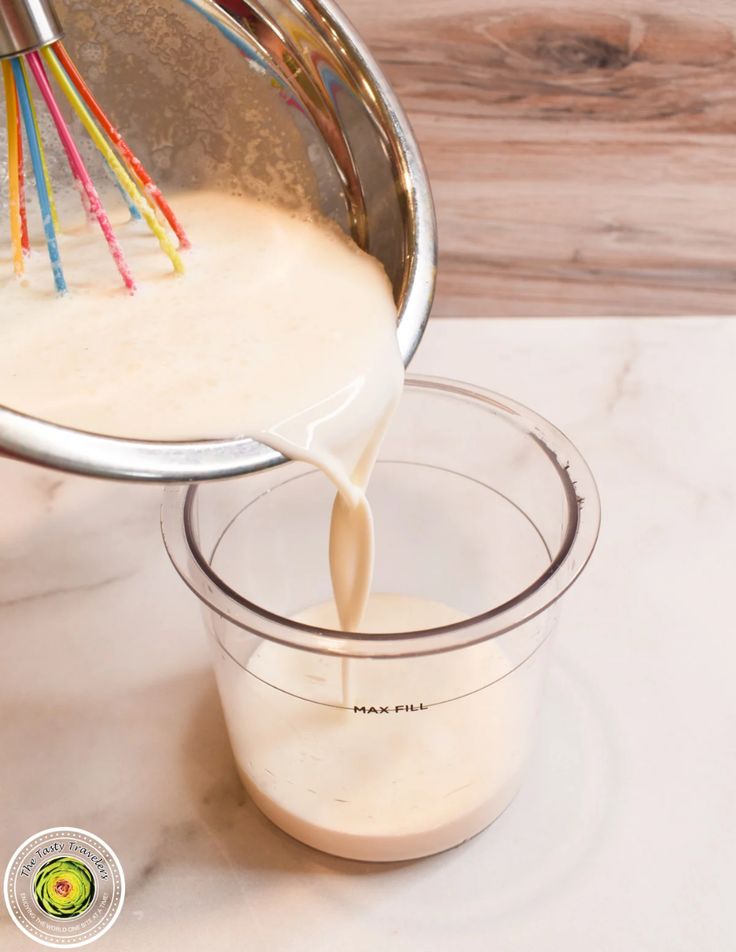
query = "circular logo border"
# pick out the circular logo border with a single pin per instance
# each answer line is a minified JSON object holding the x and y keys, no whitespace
{"x":118,"y":881}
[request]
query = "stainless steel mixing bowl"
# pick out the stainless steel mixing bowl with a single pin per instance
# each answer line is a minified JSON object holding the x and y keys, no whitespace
{"x":279,"y":99}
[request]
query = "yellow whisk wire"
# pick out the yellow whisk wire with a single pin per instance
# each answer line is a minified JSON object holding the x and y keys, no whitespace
{"x":13,"y":169}
{"x":47,"y":178}
{"x":125,"y":180}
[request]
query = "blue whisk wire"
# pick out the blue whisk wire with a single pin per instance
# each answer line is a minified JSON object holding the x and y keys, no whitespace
{"x":24,"y":101}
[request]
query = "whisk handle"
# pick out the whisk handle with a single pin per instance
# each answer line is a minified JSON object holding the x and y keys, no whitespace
{"x":27,"y":25}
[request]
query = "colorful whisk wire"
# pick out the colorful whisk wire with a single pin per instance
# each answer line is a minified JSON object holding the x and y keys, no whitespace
{"x":22,"y":91}
{"x":143,"y":198}
{"x":134,"y":164}
{"x":14,"y":167}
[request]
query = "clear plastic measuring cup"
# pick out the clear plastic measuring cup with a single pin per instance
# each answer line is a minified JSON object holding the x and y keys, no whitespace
{"x":392,"y":745}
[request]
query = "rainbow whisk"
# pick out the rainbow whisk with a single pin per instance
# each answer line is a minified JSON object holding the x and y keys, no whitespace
{"x":31,"y":52}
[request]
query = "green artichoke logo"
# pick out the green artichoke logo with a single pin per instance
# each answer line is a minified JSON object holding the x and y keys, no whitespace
{"x":64,"y":887}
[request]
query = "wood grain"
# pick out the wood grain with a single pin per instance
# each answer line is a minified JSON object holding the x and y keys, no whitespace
{"x":583,"y":159}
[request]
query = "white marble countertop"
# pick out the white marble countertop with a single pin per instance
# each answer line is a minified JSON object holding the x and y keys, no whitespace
{"x":624,"y":837}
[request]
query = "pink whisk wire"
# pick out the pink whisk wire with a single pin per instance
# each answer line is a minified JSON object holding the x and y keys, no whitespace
{"x":79,"y":169}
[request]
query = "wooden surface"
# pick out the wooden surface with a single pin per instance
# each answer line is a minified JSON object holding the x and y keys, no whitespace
{"x":583,"y":159}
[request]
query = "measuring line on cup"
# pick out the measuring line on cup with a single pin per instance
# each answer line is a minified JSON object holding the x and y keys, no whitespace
{"x":414,"y":707}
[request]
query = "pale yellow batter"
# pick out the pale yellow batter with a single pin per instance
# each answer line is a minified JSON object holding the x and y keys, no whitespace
{"x":280,"y":329}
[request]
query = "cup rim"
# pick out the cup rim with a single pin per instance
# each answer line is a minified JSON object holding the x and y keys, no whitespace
{"x":583,"y":502}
